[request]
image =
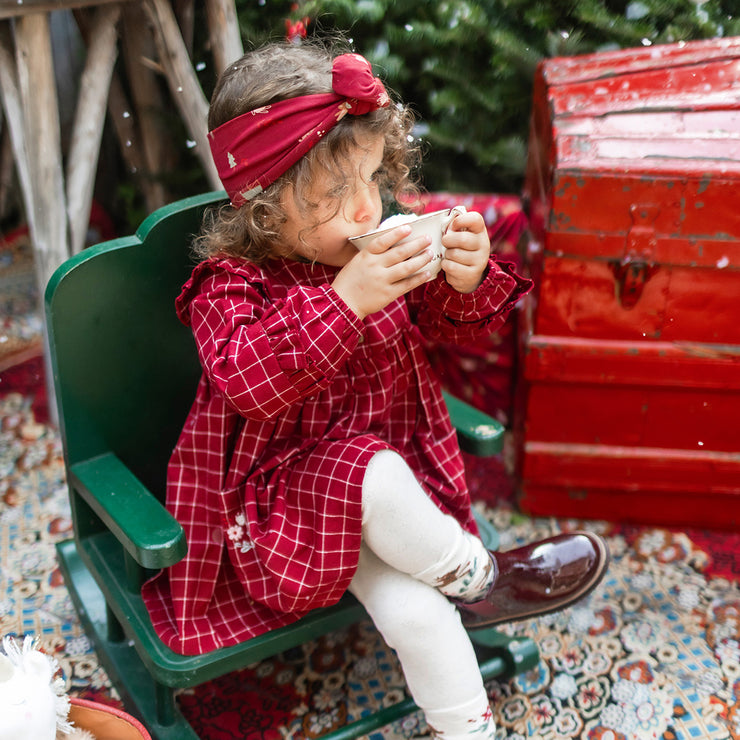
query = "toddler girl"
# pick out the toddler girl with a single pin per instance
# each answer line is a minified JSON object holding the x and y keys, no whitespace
{"x":318,"y":456}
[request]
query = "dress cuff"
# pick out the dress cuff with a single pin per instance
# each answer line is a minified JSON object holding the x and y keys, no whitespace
{"x":501,"y":288}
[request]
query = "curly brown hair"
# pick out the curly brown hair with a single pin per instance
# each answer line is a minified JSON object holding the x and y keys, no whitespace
{"x":280,"y":71}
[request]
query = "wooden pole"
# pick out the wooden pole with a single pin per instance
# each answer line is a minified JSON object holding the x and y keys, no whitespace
{"x":37,"y":85}
{"x":223,"y":27}
{"x":185,"y":14}
{"x":183,"y":82}
{"x":87,"y":131}
{"x":121,"y":116}
{"x":6,"y":171}
{"x":13,"y":108}
{"x":10,"y":8}
{"x":46,"y":213}
{"x":148,"y":99}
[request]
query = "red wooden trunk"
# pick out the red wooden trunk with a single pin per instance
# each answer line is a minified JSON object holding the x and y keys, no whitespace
{"x":630,"y":401}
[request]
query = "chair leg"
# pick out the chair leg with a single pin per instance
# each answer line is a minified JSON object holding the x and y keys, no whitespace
{"x":165,"y":704}
{"x":114,"y":630}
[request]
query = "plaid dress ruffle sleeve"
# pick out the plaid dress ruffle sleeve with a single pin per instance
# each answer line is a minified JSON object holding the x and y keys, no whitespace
{"x":297,"y":394}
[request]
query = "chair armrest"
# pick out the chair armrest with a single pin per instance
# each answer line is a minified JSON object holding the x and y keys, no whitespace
{"x":477,"y":432}
{"x":150,"y":534}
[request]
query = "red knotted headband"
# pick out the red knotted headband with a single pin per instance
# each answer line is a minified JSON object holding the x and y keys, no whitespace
{"x":252,"y":150}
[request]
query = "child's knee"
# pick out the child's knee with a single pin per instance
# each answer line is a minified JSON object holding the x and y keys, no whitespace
{"x":421,"y":615}
{"x":385,"y":473}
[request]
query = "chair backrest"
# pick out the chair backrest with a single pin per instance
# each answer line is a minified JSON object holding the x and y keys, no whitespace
{"x":125,"y":369}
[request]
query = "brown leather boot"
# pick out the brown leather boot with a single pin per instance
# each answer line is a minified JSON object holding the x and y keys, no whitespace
{"x":539,"y":578}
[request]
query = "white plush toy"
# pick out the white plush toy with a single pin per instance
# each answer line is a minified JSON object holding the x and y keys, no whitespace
{"x":33,"y":705}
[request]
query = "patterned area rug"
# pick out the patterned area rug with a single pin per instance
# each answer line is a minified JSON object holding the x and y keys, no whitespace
{"x":20,"y":322}
{"x":653,"y":653}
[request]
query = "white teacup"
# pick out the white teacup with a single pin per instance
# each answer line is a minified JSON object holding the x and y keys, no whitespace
{"x":432,"y":224}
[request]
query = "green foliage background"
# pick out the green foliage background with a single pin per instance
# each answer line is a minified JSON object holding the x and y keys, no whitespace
{"x":467,"y":67}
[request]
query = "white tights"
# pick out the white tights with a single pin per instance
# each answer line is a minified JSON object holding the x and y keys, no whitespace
{"x":413,"y":556}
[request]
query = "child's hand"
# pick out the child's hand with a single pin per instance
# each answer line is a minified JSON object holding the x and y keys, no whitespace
{"x":382,"y":271}
{"x":467,"y":251}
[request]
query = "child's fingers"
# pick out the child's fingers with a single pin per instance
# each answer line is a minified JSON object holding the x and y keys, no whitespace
{"x":385,"y":241}
{"x":467,"y":221}
{"x":406,"y":268}
{"x":402,"y":253}
{"x":462,"y":256}
{"x":417,"y":274}
{"x":415,"y":280}
{"x":463,"y":278}
{"x":389,"y":244}
{"x":462,"y":240}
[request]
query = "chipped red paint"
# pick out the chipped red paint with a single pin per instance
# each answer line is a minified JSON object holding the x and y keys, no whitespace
{"x":629,"y":401}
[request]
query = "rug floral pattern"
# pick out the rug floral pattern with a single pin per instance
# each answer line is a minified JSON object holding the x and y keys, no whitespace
{"x":654,"y":652}
{"x":20,"y":322}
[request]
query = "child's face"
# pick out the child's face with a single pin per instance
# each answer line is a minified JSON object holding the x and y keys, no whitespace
{"x":359,"y":211}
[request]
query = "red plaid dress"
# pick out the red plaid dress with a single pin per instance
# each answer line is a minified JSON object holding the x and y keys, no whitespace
{"x":296,"y":396}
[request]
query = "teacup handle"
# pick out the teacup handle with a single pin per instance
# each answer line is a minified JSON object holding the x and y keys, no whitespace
{"x":456,"y":211}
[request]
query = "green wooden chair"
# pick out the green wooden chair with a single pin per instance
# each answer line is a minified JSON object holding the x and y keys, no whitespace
{"x":125,"y":372}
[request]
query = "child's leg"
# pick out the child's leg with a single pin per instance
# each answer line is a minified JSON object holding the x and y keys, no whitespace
{"x":433,"y":648}
{"x":404,"y":527}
